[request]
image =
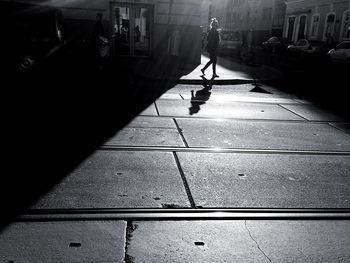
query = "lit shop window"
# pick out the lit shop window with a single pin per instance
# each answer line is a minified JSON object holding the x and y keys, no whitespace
{"x":132,"y":34}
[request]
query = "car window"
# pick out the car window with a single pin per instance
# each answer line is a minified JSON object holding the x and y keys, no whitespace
{"x":273,"y":39}
{"x":301,"y":43}
{"x":344,"y":46}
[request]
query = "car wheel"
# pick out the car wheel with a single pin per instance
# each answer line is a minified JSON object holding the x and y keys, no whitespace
{"x":25,"y":63}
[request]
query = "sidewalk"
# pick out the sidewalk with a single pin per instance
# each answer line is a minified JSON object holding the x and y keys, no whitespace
{"x":246,"y":148}
{"x":232,"y":72}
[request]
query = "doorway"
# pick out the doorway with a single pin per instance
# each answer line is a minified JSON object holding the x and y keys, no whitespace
{"x":290,"y":32}
{"x":302,"y":27}
{"x":132,"y":27}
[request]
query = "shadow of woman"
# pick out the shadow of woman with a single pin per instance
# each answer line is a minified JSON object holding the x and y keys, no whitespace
{"x":201,"y":96}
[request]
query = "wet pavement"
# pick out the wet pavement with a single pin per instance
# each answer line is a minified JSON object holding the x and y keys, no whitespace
{"x":201,"y":146}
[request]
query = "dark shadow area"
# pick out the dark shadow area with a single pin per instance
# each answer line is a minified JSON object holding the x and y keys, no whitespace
{"x":311,"y":77}
{"x":54,"y":119}
{"x":201,"y":96}
{"x":258,"y":89}
{"x":59,"y":112}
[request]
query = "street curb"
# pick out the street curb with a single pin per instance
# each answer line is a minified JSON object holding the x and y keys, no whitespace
{"x":223,"y":81}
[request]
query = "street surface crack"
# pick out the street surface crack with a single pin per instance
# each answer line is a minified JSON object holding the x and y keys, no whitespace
{"x":257,"y":244}
{"x":130,"y":228}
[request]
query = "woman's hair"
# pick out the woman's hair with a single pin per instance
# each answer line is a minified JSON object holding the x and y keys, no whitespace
{"x":213,"y":22}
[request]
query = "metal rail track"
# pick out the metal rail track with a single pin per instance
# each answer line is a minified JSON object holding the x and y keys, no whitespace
{"x":184,"y":214}
{"x":111,"y":147}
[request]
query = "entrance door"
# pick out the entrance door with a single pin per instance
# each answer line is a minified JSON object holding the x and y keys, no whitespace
{"x":302,"y":28}
{"x":291,"y":22}
{"x":132,"y":29}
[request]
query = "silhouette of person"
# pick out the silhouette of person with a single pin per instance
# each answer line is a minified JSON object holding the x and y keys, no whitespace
{"x":199,"y":98}
{"x":137,"y":34}
{"x":99,"y":26}
{"x":213,"y":39}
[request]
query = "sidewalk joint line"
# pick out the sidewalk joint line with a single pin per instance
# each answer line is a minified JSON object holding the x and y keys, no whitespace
{"x":184,"y":180}
{"x":180,"y":132}
{"x":292,"y":112}
{"x":155,"y":105}
{"x":337,"y":128}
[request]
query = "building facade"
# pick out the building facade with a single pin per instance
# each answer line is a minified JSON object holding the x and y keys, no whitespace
{"x":145,"y":29}
{"x":258,"y":18}
{"x":317,"y":20}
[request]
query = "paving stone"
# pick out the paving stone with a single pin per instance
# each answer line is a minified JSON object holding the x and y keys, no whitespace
{"x":63,"y":242}
{"x":242,"y":98}
{"x":345,"y":127}
{"x":171,"y":96}
{"x":148,"y":131}
{"x":152,"y":122}
{"x":226,"y":89}
{"x":214,"y":109}
{"x":113,"y":179}
{"x":240,"y":241}
{"x":313,"y":113}
{"x":151,"y":110}
{"x":267,"y":180}
{"x":263,"y":135}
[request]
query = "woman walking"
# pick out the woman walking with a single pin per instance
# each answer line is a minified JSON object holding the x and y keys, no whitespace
{"x":213,"y":39}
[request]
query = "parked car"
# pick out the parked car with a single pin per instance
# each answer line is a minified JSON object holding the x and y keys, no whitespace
{"x":276,"y":44}
{"x":316,"y":48}
{"x":341,"y":53}
{"x":300,"y":46}
{"x":30,"y":34}
{"x":230,"y":42}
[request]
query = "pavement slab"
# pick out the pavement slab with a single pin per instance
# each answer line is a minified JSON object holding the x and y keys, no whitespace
{"x":229,"y":180}
{"x":241,"y":98}
{"x":240,"y":241}
{"x":263,"y":135}
{"x":223,"y":109}
{"x":313,"y":113}
{"x":222,"y":89}
{"x":152,"y":122}
{"x":150,"y":110}
{"x":120,"y":179}
{"x":63,"y":242}
{"x":148,"y":131}
{"x":171,"y":96}
{"x":228,"y":69}
{"x":345,"y":127}
{"x":238,"y":89}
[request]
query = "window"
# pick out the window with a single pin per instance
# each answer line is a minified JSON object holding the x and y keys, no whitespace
{"x":132,"y":32}
{"x":346,"y":26}
{"x":329,"y":27}
{"x":315,"y":22}
{"x":344,"y":46}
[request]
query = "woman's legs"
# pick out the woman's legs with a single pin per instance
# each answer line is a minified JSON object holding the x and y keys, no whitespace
{"x":206,"y":66}
{"x":213,"y":58}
